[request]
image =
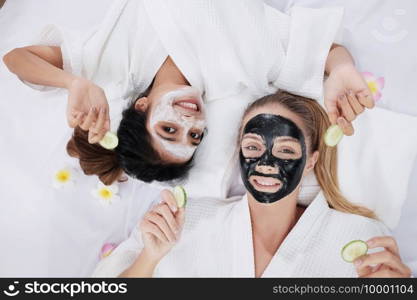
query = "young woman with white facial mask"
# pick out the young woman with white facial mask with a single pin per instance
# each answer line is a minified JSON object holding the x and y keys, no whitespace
{"x":122,"y":75}
{"x":265,"y":233}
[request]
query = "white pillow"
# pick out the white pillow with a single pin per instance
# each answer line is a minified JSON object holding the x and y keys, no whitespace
{"x":375,"y":164}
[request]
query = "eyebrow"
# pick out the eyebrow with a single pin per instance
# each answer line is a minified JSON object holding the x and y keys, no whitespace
{"x":166,"y":138}
{"x":287,"y":139}
{"x":253,"y":136}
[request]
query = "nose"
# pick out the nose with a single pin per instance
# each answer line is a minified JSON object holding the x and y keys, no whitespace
{"x":266,"y":169}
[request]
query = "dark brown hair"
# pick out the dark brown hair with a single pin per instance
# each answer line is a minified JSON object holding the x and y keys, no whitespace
{"x":94,"y":159}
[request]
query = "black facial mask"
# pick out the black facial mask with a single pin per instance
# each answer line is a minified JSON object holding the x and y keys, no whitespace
{"x":290,"y":171}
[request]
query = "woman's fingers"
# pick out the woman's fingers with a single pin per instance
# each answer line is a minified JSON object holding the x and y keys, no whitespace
{"x":168,"y":197}
{"x":75,"y":119}
{"x":347,"y":111}
{"x":385,"y":273}
{"x":162,"y":225}
{"x":96,"y":124}
{"x":89,"y":120}
{"x":354,"y":103}
{"x":346,"y":126}
{"x":180,"y":217}
{"x":101,"y":121}
{"x":386,"y":242}
{"x":383,"y":257}
{"x":95,"y":138}
{"x":149,"y":227}
{"x":164,"y":211}
{"x":332,"y":111}
{"x":365,"y":98}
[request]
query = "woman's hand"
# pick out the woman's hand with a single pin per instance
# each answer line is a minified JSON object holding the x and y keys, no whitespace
{"x":385,"y":263}
{"x":346,"y":95}
{"x":88,"y":108}
{"x":161,"y":227}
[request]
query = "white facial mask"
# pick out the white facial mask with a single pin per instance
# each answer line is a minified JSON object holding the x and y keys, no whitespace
{"x":164,"y":111}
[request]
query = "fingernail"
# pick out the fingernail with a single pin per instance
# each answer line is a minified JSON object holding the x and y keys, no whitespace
{"x":357,"y":262}
{"x":370,"y":243}
{"x":174,"y":209}
{"x":341,"y":121}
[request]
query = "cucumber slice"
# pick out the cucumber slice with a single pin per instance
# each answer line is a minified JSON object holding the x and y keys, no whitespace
{"x":353,"y":250}
{"x":180,"y":195}
{"x":109,"y":141}
{"x":333,"y":135}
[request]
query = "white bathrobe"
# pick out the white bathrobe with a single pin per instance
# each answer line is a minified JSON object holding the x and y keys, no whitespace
{"x":226,"y":47}
{"x":217,"y":242}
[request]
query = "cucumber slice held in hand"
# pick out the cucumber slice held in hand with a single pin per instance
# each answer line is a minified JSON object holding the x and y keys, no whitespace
{"x":333,"y":135}
{"x":180,"y":195}
{"x":353,"y":250}
{"x":109,"y":141}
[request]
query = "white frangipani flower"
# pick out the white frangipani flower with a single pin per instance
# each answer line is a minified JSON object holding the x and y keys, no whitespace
{"x":64,"y":177}
{"x":107,"y":194}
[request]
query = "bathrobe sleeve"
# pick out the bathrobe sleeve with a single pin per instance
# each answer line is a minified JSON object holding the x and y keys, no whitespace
{"x":227,"y":47}
{"x":310,"y":34}
{"x":121,"y":258}
{"x":121,"y":55}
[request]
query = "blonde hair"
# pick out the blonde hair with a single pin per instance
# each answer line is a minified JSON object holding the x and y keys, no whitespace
{"x":316,"y":122}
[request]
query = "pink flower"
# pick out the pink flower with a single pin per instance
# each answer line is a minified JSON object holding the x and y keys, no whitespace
{"x":107,"y":249}
{"x":375,"y":84}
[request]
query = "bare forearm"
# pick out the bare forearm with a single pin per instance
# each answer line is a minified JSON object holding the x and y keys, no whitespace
{"x":34,"y":69}
{"x":143,"y":266}
{"x":338,"y":56}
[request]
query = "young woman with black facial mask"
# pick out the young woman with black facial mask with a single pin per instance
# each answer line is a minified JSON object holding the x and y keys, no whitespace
{"x":265,"y":233}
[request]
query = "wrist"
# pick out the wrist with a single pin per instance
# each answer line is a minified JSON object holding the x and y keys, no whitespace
{"x":148,"y":257}
{"x":70,"y":80}
{"x":343,"y":67}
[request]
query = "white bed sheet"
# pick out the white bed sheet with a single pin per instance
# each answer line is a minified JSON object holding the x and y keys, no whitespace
{"x":36,"y":228}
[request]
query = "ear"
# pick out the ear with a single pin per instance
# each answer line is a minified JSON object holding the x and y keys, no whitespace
{"x":311,"y":162}
{"x":142,"y":104}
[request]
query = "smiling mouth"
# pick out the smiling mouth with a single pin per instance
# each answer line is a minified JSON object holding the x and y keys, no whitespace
{"x":265,"y":184}
{"x":191,"y":105}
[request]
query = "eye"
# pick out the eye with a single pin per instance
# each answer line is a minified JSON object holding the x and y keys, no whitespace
{"x":287,"y":151}
{"x":169,"y":130}
{"x":195,"y":135}
{"x":252,"y":148}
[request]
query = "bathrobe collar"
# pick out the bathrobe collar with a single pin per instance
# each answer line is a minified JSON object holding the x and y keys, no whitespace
{"x":291,"y":249}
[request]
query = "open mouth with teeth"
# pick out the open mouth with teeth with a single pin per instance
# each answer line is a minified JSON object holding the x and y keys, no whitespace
{"x":265,"y":184}
{"x":191,"y":105}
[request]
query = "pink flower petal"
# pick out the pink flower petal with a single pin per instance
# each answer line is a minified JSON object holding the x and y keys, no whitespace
{"x":377,"y":96}
{"x":368,"y":75}
{"x":107,"y":249}
{"x":381,"y":82}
